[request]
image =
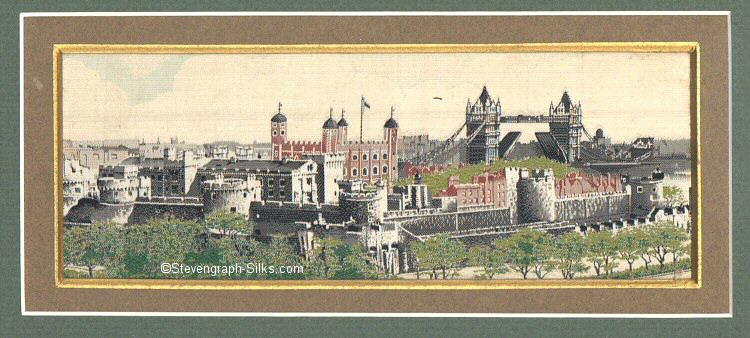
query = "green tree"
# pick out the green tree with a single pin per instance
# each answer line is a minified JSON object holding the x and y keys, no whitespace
{"x":666,"y":238}
{"x":570,"y":251}
{"x":645,"y":247}
{"x":229,"y":224}
{"x":419,"y":251}
{"x":673,"y":195}
{"x":75,"y":246}
{"x":98,"y":244}
{"x":279,"y":252}
{"x":602,"y":248}
{"x":491,"y":260}
{"x":528,"y":250}
{"x":627,"y":247}
{"x":678,"y":244}
{"x":333,"y":259}
{"x":220,"y":251}
{"x":321,"y":263}
{"x":440,"y":253}
{"x":161,"y":240}
{"x":353,"y":263}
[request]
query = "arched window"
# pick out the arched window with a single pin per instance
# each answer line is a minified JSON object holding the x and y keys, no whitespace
{"x":385,"y":169}
{"x":354,"y":172}
{"x":274,"y":133}
{"x":364,"y":171}
{"x":375,"y":170}
{"x":374,"y":157}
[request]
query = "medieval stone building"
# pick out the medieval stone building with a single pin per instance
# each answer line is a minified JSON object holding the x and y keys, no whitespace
{"x":369,"y":161}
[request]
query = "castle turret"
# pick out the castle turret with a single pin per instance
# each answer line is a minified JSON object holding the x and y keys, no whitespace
{"x":330,"y":135}
{"x":536,"y":196}
{"x":343,"y":130}
{"x":390,"y":135}
{"x":278,"y":133}
{"x":234,"y":195}
{"x":120,"y":184}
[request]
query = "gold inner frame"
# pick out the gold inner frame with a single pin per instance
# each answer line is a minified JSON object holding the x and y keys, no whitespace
{"x":622,"y":47}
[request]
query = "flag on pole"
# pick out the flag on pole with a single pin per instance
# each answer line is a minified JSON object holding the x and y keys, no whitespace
{"x":362,"y":115}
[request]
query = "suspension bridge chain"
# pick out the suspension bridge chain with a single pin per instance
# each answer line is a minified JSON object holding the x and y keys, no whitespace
{"x":449,"y":145}
{"x":440,"y":148}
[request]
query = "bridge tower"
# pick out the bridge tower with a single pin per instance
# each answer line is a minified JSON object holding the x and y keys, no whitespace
{"x":483,"y":119}
{"x":565,"y":126}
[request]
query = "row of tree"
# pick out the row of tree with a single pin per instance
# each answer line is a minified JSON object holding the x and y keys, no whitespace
{"x":532,"y":251}
{"x":138,"y":250}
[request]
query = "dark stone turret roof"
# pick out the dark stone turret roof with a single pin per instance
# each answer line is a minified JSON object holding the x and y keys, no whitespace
{"x":391,"y":123}
{"x":278,"y":118}
{"x":484,"y":98}
{"x":566,"y":101}
{"x":343,"y":123}
{"x":330,"y":124}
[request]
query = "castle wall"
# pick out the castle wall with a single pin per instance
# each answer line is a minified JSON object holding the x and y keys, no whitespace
{"x":330,"y":172}
{"x":143,"y":211}
{"x":118,"y":191}
{"x":536,"y":197}
{"x":235,"y":201}
{"x":577,"y":183}
{"x":88,"y":211}
{"x":594,"y":207}
{"x":290,"y":213}
{"x":230,"y":195}
{"x":457,"y":221}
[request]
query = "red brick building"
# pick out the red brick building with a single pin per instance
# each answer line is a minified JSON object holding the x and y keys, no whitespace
{"x":369,"y":161}
{"x":577,"y":183}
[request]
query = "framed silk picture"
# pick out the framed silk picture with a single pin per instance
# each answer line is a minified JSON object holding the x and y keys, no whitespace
{"x":363,"y":159}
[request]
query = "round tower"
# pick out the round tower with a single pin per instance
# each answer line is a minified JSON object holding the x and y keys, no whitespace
{"x":330,"y":134}
{"x":390,"y":135}
{"x":278,"y":133}
{"x":118,"y":184}
{"x":228,"y":195}
{"x":536,"y":196}
{"x":343,"y":130}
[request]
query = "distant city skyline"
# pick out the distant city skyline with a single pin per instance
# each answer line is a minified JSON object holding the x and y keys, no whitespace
{"x":208,"y":98}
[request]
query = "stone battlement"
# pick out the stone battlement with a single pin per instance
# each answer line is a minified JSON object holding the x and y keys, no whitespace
{"x":537,"y":174}
{"x":187,"y":200}
{"x":227,"y":184}
{"x":110,"y":184}
{"x":590,"y":195}
{"x":303,"y":143}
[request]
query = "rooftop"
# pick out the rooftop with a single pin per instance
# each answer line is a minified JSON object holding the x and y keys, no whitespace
{"x":285,"y":166}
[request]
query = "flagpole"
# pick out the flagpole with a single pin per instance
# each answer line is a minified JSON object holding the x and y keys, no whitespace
{"x":361,"y":116}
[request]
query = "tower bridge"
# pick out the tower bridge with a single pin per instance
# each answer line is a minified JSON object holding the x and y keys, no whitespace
{"x":486,"y":143}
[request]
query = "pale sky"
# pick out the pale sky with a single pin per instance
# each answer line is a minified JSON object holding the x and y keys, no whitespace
{"x":205,"y":97}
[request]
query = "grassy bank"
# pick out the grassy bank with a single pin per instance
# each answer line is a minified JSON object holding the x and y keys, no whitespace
{"x":641,"y":272}
{"x":439,"y":181}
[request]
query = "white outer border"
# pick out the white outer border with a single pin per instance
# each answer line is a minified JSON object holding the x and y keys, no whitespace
{"x":22,"y":16}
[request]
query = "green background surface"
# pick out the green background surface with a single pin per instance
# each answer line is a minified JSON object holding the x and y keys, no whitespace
{"x":12,"y":324}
